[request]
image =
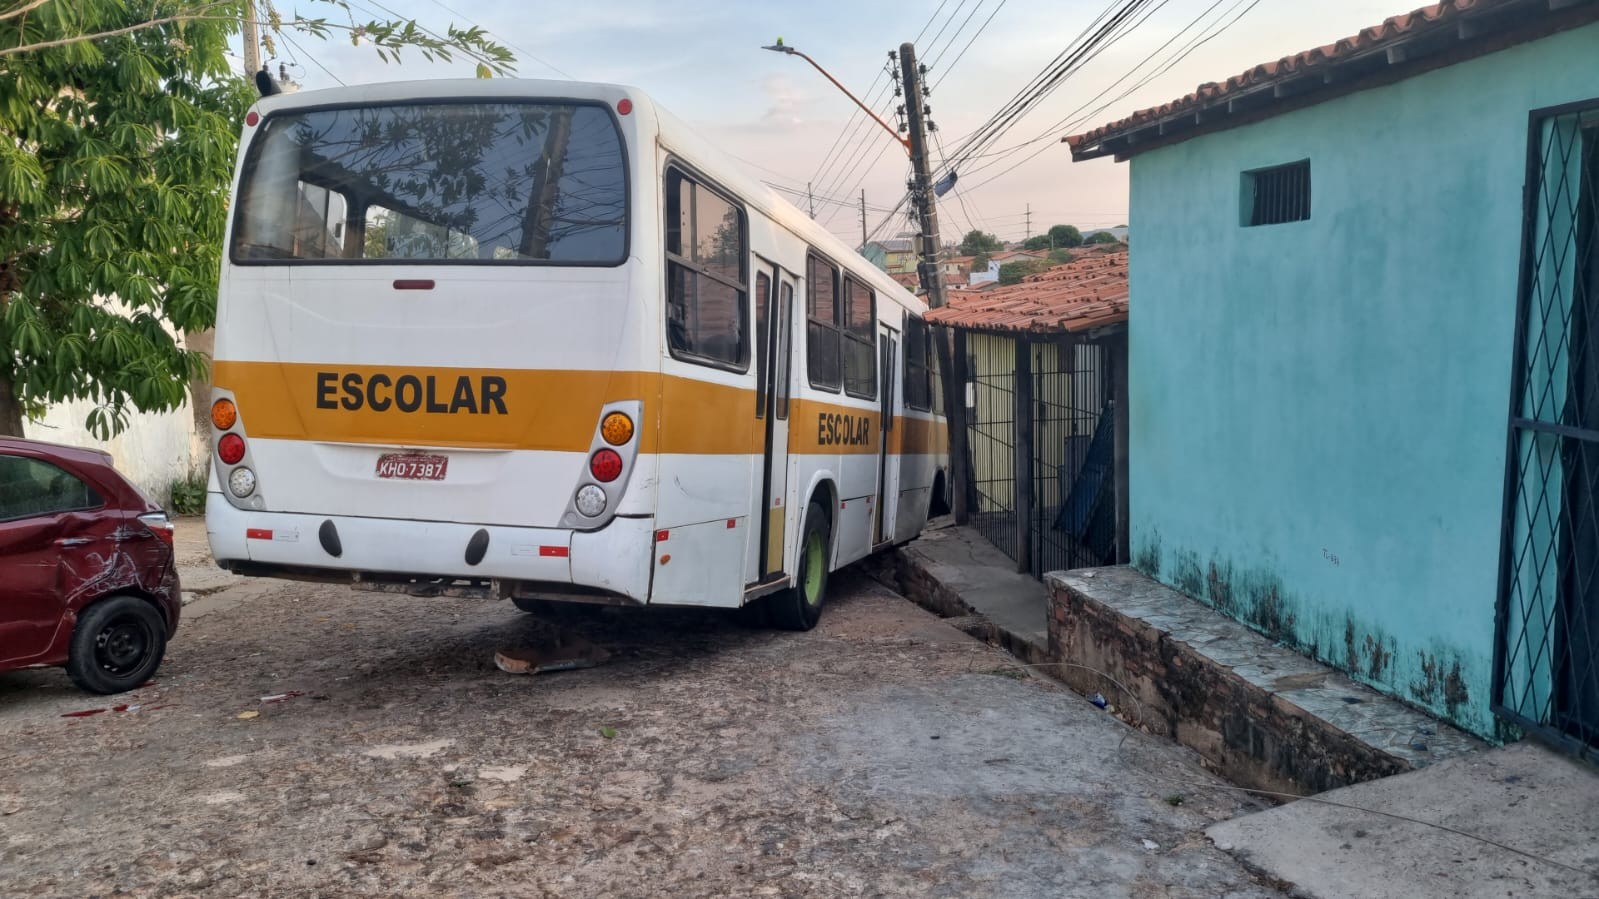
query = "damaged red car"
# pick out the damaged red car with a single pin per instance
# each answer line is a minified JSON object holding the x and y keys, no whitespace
{"x":88,"y":575}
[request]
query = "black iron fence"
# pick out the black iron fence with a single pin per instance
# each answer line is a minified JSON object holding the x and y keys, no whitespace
{"x":1041,"y":438}
{"x":1546,"y":664}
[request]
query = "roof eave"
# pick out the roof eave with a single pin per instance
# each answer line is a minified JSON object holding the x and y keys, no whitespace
{"x":1466,"y":35}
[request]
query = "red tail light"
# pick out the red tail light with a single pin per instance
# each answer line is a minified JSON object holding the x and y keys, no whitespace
{"x":606,"y":466}
{"x":230,"y":448}
{"x":159,"y":525}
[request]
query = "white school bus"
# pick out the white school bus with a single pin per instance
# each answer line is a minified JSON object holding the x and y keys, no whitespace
{"x":538,"y":341}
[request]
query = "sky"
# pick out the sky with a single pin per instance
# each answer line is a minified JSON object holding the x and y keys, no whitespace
{"x":702,"y":59}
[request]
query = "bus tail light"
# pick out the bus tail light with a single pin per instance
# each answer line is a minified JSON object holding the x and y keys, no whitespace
{"x":235,"y":468}
{"x":224,"y":414}
{"x":616,"y":428}
{"x":602,"y":481}
{"x":230,"y":448}
{"x":241,"y":482}
{"x":606,"y":466}
{"x":590,"y":501}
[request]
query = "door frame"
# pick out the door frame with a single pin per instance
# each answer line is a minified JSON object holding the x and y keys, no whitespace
{"x":773,"y":398}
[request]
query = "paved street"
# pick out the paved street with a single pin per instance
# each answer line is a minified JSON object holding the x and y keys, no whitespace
{"x":884,"y":753}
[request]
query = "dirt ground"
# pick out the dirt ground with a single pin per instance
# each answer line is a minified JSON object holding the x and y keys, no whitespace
{"x":883,"y":754}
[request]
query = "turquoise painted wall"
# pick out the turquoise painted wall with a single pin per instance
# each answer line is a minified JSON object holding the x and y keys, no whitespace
{"x":1318,"y":409}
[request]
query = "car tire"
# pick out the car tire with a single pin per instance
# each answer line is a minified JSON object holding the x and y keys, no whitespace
{"x":800,"y":607}
{"x":117,"y":645}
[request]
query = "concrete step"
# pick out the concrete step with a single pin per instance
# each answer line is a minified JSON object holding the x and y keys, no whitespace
{"x":1263,"y":715}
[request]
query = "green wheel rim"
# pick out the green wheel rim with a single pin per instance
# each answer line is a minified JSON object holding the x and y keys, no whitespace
{"x":815,"y":568}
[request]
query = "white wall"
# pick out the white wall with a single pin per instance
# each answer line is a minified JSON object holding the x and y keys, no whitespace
{"x":154,"y":451}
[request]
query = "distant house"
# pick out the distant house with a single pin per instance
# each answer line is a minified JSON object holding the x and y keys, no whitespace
{"x":1366,"y":423}
{"x":956,"y":266}
{"x":989,"y":275}
{"x":1005,"y":256}
{"x":896,"y":255}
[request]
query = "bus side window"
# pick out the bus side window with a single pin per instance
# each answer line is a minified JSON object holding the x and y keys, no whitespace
{"x":917,"y":389}
{"x":860,"y":340}
{"x":707,"y":314}
{"x":822,"y":324}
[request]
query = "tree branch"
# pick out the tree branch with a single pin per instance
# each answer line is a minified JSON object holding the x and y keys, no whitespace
{"x":115,"y":32}
{"x":22,"y":10}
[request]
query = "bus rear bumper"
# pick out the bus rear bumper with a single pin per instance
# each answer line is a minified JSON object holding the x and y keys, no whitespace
{"x":436,"y":557}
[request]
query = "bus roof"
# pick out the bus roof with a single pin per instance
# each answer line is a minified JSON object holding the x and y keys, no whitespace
{"x":672,"y":132}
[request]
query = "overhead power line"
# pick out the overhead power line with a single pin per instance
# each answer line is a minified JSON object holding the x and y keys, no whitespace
{"x":1078,"y":116}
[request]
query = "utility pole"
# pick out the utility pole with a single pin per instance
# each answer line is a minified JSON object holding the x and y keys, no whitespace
{"x":921,"y":165}
{"x":953,"y":382}
{"x":863,"y":220}
{"x":810,"y":199}
{"x":252,"y":42}
{"x":1029,"y":221}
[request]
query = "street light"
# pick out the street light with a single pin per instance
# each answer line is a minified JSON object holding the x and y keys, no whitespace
{"x":781,"y":47}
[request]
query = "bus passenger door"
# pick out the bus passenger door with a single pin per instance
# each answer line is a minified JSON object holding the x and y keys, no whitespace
{"x":888,"y":449}
{"x":774,"y":324}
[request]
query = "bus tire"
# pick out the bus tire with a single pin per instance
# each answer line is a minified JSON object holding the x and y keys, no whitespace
{"x":557,"y":611}
{"x":800,"y":607}
{"x":532,"y":606}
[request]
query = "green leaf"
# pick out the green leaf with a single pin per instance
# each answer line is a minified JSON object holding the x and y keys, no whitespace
{"x":608,"y":732}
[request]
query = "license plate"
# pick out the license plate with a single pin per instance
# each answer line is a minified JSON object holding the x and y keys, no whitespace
{"x":412,"y":466}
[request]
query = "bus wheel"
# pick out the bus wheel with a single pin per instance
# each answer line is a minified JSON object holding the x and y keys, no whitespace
{"x":799,"y":608}
{"x":532,"y":606}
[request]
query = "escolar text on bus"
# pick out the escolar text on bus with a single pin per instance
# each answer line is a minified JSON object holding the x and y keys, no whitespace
{"x":833,"y":429}
{"x":474,"y":395}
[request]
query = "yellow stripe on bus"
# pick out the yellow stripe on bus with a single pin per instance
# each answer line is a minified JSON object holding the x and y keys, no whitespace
{"x":531,"y":409}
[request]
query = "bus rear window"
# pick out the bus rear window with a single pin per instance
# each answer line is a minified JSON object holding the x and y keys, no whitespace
{"x":435,"y":182}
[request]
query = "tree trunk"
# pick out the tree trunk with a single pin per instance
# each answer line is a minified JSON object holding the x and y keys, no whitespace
{"x":10,"y":409}
{"x":203,"y":342}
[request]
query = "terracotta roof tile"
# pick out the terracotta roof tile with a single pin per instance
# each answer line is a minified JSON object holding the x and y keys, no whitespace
{"x":1426,"y":20}
{"x":1080,"y":295}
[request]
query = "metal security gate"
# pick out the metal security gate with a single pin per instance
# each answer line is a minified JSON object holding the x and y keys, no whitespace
{"x":991,"y":437}
{"x":1546,"y":662}
{"x":1073,"y":521}
{"x":1040,"y":425}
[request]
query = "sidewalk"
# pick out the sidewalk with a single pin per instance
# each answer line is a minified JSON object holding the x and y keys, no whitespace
{"x":1415,"y":834}
{"x":954,"y":572}
{"x":1542,"y":808}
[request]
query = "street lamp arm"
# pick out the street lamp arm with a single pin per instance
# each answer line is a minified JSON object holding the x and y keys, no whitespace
{"x":783,"y":48}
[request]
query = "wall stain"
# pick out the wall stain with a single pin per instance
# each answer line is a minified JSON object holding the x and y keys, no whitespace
{"x":1147,"y":559}
{"x":1439,"y":683}
{"x":1351,"y":653}
{"x":1378,"y":656}
{"x":1219,"y":586}
{"x":1187,"y":575}
{"x":1269,"y":610}
{"x":1258,"y":597}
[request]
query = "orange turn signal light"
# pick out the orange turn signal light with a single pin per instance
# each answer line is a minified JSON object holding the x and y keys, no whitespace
{"x":616,"y":428}
{"x":224,"y":414}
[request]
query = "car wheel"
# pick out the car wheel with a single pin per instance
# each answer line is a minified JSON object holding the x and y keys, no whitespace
{"x":800,"y":607}
{"x":117,"y":645}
